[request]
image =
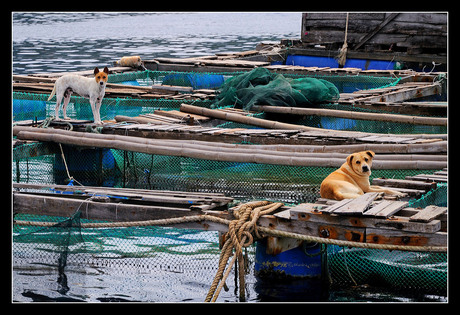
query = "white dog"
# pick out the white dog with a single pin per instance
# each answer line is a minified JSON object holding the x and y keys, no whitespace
{"x":94,"y":89}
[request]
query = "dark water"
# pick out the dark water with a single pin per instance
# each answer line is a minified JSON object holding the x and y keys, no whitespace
{"x":47,"y":42}
{"x":58,"y":42}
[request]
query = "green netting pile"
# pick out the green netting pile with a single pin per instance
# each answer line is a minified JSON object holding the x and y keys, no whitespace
{"x":261,"y":87}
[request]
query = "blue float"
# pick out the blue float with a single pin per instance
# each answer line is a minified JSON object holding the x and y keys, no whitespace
{"x":304,"y":261}
{"x":195,"y":80}
{"x":90,"y":167}
{"x":28,"y":109}
{"x":317,"y":61}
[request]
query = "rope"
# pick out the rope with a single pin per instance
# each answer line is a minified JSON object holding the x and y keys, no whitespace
{"x":239,"y":235}
{"x":342,"y":57}
{"x":46,"y":122}
{"x":238,"y":231}
{"x":265,"y":231}
{"x":71,"y":179}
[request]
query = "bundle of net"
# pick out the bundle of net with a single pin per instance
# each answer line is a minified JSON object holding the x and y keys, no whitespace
{"x":261,"y":87}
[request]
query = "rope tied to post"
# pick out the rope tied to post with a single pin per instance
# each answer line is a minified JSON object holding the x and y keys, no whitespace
{"x":342,"y":57}
{"x":239,"y":235}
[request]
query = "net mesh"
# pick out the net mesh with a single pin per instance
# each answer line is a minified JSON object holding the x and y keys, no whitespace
{"x":162,"y":263}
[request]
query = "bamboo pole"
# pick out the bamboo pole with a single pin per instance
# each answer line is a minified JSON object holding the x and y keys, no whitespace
{"x":405,"y":119}
{"x":269,"y":124}
{"x":151,"y":146}
{"x":435,"y":147}
{"x":253,"y":121}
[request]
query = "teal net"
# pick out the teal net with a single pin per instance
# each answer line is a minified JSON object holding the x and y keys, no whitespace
{"x":260,"y":86}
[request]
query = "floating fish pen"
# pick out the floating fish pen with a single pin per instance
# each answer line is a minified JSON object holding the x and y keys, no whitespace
{"x":138,"y":170}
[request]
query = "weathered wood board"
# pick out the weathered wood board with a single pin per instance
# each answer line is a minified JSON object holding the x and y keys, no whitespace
{"x":428,"y":214}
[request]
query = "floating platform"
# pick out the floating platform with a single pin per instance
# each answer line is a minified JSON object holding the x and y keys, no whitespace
{"x":367,"y":219}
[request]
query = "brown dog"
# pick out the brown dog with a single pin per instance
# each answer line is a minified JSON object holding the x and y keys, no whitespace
{"x":351,"y":180}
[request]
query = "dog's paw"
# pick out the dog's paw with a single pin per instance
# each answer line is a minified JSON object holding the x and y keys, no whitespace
{"x":98,"y":122}
{"x":398,"y":194}
{"x":67,"y":118}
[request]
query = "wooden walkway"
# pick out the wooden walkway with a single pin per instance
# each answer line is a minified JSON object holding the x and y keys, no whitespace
{"x":368,"y":219}
{"x":112,"y":204}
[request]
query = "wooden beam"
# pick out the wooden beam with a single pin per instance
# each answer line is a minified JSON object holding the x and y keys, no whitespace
{"x":401,"y":183}
{"x":404,"y":94}
{"x":371,"y":34}
{"x":109,"y":211}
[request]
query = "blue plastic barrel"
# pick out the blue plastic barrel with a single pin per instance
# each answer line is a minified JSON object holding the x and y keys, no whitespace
{"x":303,"y":261}
{"x":133,"y":83}
{"x":28,"y":109}
{"x":318,"y":61}
{"x":336,"y":123}
{"x":195,"y":80}
{"x":91,"y":167}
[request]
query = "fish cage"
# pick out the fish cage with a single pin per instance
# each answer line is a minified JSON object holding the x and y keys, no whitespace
{"x":72,"y":262}
{"x":30,"y":106}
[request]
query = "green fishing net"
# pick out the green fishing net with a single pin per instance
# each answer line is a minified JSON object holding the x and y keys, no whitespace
{"x":261,"y":87}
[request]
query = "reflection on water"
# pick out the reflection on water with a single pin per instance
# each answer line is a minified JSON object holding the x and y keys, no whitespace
{"x":56,"y":42}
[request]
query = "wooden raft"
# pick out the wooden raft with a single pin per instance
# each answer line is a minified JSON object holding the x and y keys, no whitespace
{"x":397,"y":93}
{"x":44,"y":85}
{"x":364,"y":219}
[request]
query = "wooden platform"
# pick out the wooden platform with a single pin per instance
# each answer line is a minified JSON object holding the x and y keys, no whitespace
{"x":393,"y":94}
{"x":112,"y":204}
{"x":262,"y":136}
{"x":44,"y":85}
{"x":366,"y":219}
{"x":371,"y":218}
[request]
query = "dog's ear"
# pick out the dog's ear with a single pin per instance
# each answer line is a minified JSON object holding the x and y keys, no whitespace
{"x":370,"y":153}
{"x":106,"y":70}
{"x":96,"y":70}
{"x":350,"y":159}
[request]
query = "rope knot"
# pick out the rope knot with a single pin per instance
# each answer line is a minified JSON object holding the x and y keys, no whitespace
{"x":239,"y":235}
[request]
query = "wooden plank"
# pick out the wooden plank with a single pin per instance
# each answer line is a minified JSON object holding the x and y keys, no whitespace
{"x":120,"y":191}
{"x":414,"y":193}
{"x":401,"y":183}
{"x":404,"y":94}
{"x":426,"y":177}
{"x":357,"y":233}
{"x":317,"y":213}
{"x":180,"y":115}
{"x":386,"y":208}
{"x":365,"y":38}
{"x":358,"y":205}
{"x":110,"y":211}
{"x":337,"y":205}
{"x":226,"y":63}
{"x":428,"y":214}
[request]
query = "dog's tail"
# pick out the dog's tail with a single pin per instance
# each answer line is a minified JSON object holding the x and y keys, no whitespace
{"x":52,"y":93}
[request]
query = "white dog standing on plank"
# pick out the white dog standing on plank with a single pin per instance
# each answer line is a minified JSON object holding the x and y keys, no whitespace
{"x":92,"y":88}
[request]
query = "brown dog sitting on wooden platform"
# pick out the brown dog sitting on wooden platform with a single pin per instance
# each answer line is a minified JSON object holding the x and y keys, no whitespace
{"x":351,"y":180}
